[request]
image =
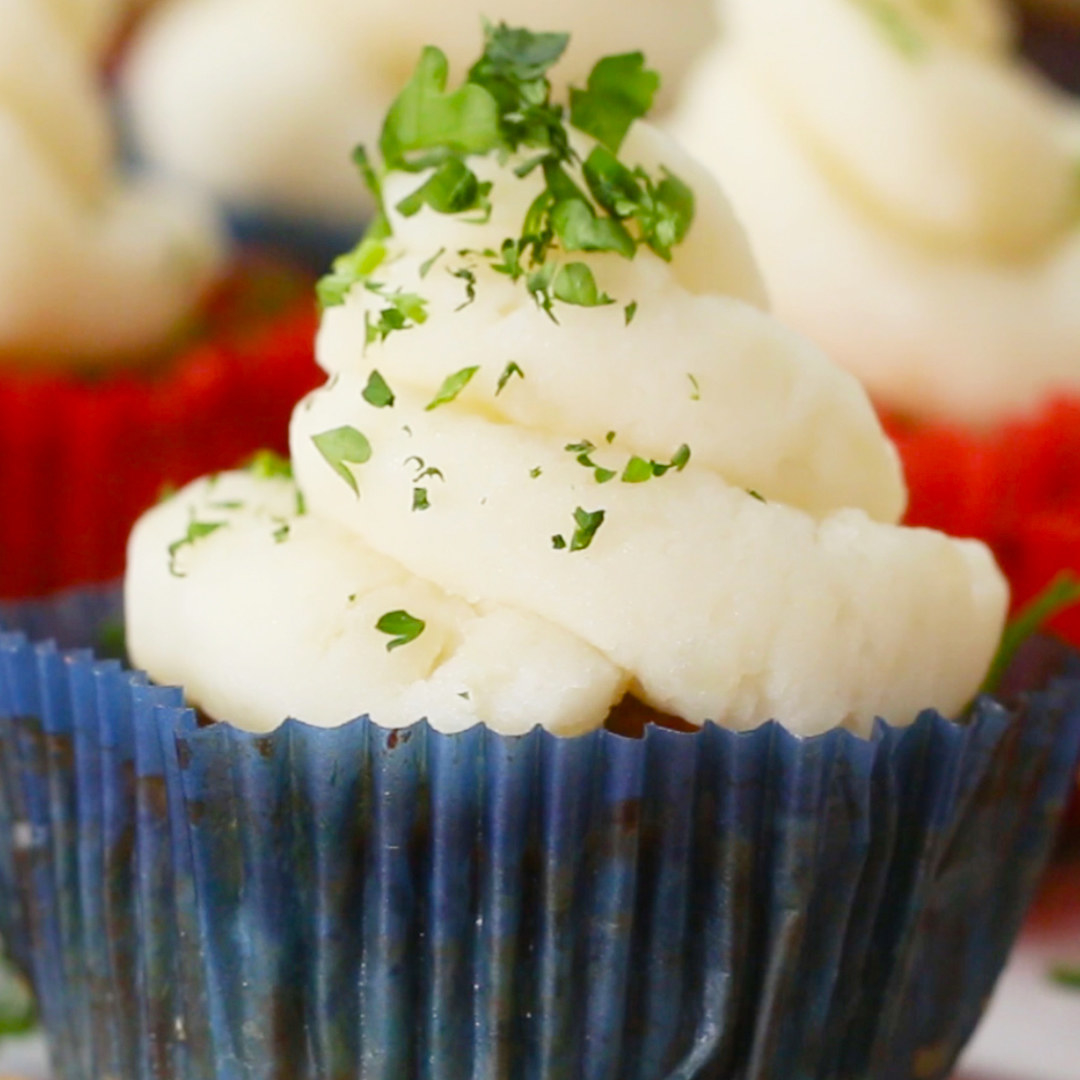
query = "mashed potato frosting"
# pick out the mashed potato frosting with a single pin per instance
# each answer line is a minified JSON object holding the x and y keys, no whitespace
{"x":911,"y":189}
{"x":93,"y":268}
{"x":256,"y":99}
{"x":521,"y":496}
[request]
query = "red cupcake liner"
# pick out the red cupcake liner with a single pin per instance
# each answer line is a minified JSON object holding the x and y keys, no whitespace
{"x":81,"y":460}
{"x":1017,"y":487}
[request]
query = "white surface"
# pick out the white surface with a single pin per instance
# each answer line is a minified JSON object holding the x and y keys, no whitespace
{"x":1032,"y":1029}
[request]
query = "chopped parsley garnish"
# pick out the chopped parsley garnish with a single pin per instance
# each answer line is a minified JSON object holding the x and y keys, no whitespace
{"x":575,"y":284}
{"x":1066,"y":976}
{"x":468,"y":275}
{"x":452,"y":386}
{"x":452,"y":189}
{"x":268,"y":465}
{"x":505,"y":106}
{"x":404,"y":310}
{"x":535,"y":472}
{"x":756,"y":495}
{"x":588,"y":523}
{"x":401,"y":626}
{"x":584,"y":451}
{"x":1062,"y":593}
{"x":377,"y":393}
{"x":427,"y":264}
{"x":350,"y":269}
{"x":420,"y":499}
{"x":695,"y":390}
{"x":281,"y":533}
{"x":609,"y":438}
{"x":630,"y":311}
{"x":638,"y":470}
{"x":342,"y":447}
{"x":509,"y":371}
{"x":196,"y":531}
{"x":619,"y":90}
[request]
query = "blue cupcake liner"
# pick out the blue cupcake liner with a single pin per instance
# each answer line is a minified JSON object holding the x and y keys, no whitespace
{"x":207,"y":904}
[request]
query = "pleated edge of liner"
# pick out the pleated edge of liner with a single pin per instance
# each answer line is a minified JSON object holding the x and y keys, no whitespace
{"x":1061,"y":692}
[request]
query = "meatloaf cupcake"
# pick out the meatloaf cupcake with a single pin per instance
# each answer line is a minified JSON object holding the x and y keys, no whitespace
{"x":566,"y":477}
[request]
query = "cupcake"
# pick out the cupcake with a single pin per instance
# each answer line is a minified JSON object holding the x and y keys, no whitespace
{"x":565,"y":477}
{"x":259,"y":103}
{"x":910,"y":187}
{"x":120,"y":320}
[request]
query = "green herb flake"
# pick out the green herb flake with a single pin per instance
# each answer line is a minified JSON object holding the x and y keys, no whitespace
{"x":1062,"y":593}
{"x":377,"y":392}
{"x":509,"y":371}
{"x":469,"y":277}
{"x":630,"y":311}
{"x":637,"y":471}
{"x":405,"y":310}
{"x":196,"y":531}
{"x":342,"y":447}
{"x":420,"y":499}
{"x":535,"y":472}
{"x":426,"y":125}
{"x":619,"y":90}
{"x":588,"y":523}
{"x":756,"y":495}
{"x":427,"y":264}
{"x":268,"y":465}
{"x":348,"y":270}
{"x":401,"y":626}
{"x":281,"y":533}
{"x":451,"y":387}
{"x":575,"y":284}
{"x":695,"y":390}
{"x":451,"y":189}
{"x":558,"y":542}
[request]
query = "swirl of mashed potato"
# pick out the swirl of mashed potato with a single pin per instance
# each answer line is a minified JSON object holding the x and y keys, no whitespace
{"x":911,"y":189}
{"x":123,"y":262}
{"x":257,"y":99}
{"x":496,"y":516}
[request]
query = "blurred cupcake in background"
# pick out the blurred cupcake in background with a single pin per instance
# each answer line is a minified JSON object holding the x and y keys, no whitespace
{"x":260,"y":101}
{"x":910,"y":186}
{"x":566,"y":481}
{"x":121,"y":317}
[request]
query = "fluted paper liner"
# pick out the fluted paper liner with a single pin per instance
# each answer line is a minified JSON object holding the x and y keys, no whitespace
{"x":202,"y":903}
